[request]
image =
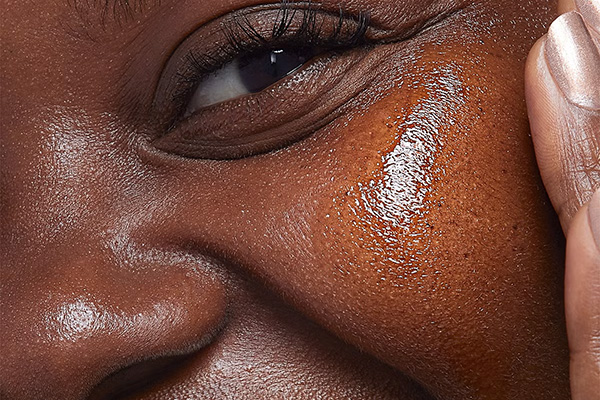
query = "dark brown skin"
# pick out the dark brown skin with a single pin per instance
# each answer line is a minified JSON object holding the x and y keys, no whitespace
{"x":405,"y":250}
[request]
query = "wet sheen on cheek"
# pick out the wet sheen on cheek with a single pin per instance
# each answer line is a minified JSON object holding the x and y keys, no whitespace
{"x":379,"y":223}
{"x":386,"y":208}
{"x":396,"y":200}
{"x":430,"y":241}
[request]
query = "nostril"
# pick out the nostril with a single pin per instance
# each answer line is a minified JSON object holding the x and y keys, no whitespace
{"x":138,"y":377}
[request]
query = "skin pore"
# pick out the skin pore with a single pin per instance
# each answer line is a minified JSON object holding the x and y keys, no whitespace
{"x":404,"y":249}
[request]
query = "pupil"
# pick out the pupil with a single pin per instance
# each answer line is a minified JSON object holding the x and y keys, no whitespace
{"x":260,"y":70}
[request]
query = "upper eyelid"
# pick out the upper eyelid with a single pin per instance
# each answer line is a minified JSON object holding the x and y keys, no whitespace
{"x":368,"y":30}
{"x":377,"y":31}
{"x":308,"y":26}
{"x":241,"y":34}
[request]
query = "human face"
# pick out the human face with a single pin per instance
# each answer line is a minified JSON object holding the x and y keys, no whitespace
{"x":396,"y":243}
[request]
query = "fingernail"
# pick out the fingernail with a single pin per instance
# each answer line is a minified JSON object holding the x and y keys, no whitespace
{"x":574,"y":60}
{"x":590,"y":9}
{"x":594,"y":215}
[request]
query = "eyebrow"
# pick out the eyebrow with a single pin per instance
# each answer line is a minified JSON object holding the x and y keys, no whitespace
{"x":119,"y":11}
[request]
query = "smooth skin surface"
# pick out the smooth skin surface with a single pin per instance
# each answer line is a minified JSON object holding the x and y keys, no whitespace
{"x":406,"y":249}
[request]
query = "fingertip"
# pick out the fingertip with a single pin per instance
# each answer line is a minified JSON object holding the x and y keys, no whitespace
{"x":537,"y":85}
{"x":541,"y":96}
{"x":561,"y":94}
{"x":532,"y":67}
{"x":544,"y":104}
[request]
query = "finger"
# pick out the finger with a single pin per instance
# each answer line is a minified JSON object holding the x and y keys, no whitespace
{"x":582,"y":301}
{"x":563,"y":99}
{"x":590,"y":10}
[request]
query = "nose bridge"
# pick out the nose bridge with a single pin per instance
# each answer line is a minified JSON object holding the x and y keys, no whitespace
{"x":80,"y":315}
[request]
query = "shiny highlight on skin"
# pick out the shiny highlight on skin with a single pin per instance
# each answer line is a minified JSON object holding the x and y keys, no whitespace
{"x":397,"y":196}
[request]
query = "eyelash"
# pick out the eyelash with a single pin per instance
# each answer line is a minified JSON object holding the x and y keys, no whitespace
{"x":243,"y":39}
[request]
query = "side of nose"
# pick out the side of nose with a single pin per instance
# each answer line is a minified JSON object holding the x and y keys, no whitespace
{"x":73,"y":320}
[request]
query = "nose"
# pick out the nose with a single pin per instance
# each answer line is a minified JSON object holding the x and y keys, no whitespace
{"x":79,"y":322}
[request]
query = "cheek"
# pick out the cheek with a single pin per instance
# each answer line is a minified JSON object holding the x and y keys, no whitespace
{"x":385,"y":209}
{"x":438,"y":243}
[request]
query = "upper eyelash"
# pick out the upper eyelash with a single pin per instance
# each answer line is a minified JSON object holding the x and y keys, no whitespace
{"x":308,"y":30}
{"x":243,"y":38}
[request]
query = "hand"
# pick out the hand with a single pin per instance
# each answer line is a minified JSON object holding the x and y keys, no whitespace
{"x":563,"y":96}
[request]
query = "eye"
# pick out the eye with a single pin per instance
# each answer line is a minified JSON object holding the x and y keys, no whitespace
{"x":263,"y":78}
{"x":248,"y":74}
{"x":260,"y":79}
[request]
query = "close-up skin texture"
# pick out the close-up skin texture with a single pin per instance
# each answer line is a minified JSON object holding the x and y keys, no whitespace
{"x":372,"y":226}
